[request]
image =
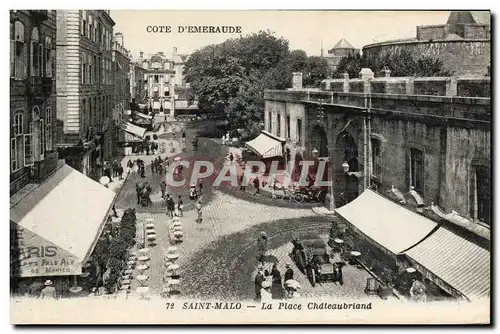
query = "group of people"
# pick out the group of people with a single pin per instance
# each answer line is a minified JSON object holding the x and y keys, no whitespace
{"x":113,"y":170}
{"x":158,"y":165}
{"x":265,"y":291}
{"x":173,"y":209}
{"x":143,"y":191}
{"x":136,"y":165}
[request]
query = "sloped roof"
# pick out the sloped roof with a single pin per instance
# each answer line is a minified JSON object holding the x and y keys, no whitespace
{"x":469,"y":17}
{"x":343,"y":44}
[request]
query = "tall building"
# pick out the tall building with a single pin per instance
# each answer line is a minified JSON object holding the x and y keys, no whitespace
{"x":164,"y":75}
{"x":138,"y":74}
{"x":32,"y":96}
{"x":121,"y":77}
{"x":342,"y":49}
{"x":84,"y":50}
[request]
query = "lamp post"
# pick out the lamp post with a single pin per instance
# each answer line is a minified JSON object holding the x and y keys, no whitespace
{"x":321,"y":118}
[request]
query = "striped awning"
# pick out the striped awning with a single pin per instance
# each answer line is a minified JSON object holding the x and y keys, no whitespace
{"x":388,"y":224}
{"x":266,"y":146}
{"x":456,"y":261}
{"x":133,"y":129}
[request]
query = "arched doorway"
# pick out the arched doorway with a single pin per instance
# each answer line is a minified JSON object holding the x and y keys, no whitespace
{"x":345,"y":185}
{"x":319,"y":141}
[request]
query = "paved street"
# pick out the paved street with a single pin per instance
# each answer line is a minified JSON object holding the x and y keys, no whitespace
{"x":218,"y":256}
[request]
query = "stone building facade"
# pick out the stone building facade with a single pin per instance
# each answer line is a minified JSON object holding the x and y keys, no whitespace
{"x":32,"y":96}
{"x":435,"y":146}
{"x":84,"y":71}
{"x":463,"y":44}
{"x":164,"y":75}
{"x":137,"y":78}
{"x":121,"y":77}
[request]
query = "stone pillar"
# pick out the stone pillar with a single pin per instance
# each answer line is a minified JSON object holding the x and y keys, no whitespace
{"x":451,"y":87}
{"x":297,"y":80}
{"x":346,"y":83}
{"x":409,"y":86}
{"x":366,"y":74}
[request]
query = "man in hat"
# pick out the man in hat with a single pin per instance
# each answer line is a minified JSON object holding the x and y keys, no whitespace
{"x":259,"y":279}
{"x":262,"y":246}
{"x":288,"y":272}
{"x":49,"y":291}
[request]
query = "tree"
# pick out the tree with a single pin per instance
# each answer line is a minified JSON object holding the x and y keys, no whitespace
{"x":316,"y":69}
{"x":401,"y":64}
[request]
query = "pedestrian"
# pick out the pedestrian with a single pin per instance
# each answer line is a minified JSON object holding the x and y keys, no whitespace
{"x":200,"y":186}
{"x":259,"y":279}
{"x":180,"y":206}
{"x":49,"y":291}
{"x":170,"y":206}
{"x":163,"y":188}
{"x":288,"y":272}
{"x":115,"y":168}
{"x":153,"y":165}
{"x":198,"y":210}
{"x":231,"y":158}
{"x":262,"y":246}
{"x":266,"y":292}
{"x":242,"y":182}
{"x":120,"y":172}
{"x":277,"y":286}
{"x":130,"y":165}
{"x":256,"y":184}
{"x":138,"y":190}
{"x":143,"y":170}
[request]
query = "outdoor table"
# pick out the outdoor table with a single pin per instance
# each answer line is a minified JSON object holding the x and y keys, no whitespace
{"x":143,"y":258}
{"x":125,"y":277}
{"x":176,"y":219}
{"x":355,"y":253}
{"x":178,"y":234}
{"x":75,"y":289}
{"x":338,"y":241}
{"x":128,"y":271}
{"x":132,"y":258}
{"x":177,"y":228}
{"x":152,"y":237}
{"x":411,"y":270}
{"x":149,"y":220}
{"x":125,"y":282}
{"x":130,"y":262}
{"x":172,"y":249}
{"x":173,"y":284}
{"x":134,"y":254}
{"x":178,"y":223}
{"x":150,"y":232}
{"x":144,"y":251}
{"x":173,"y":268}
{"x":125,"y":287}
{"x":85,"y":274}
{"x":150,"y":225}
{"x":142,"y":267}
{"x":142,"y":290}
{"x":142,"y":279}
{"x":173,"y":256}
{"x":116,"y":220}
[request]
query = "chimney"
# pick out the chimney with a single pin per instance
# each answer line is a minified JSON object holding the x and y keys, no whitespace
{"x":141,"y":54}
{"x":297,"y":80}
{"x":174,"y":52}
{"x":119,"y":38}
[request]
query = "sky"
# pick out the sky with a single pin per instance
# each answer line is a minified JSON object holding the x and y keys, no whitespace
{"x":304,"y":30}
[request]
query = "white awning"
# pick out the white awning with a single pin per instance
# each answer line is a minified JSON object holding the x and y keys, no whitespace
{"x":266,"y":146}
{"x":143,"y":115}
{"x":390,"y":225}
{"x":59,"y":223}
{"x":133,"y":129}
{"x":456,"y":261}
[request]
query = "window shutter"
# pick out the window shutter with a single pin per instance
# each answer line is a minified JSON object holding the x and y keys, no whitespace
{"x":32,"y":59}
{"x":41,"y":60}
{"x":28,"y":149}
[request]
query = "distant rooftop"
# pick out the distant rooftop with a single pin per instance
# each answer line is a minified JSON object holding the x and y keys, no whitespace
{"x":343,"y":44}
{"x":469,"y":17}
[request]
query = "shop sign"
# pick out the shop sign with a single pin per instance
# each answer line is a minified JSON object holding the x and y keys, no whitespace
{"x":39,"y":257}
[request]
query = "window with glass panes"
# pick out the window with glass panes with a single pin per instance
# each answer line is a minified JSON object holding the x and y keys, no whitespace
{"x":18,"y":53}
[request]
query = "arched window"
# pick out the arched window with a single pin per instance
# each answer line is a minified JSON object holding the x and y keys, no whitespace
{"x":18,"y":59}
{"x":36,"y":53}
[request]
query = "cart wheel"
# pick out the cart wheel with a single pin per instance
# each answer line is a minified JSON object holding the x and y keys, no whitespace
{"x":312,"y":276}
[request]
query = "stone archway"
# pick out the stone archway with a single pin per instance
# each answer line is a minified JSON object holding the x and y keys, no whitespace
{"x":319,"y":140}
{"x":345,"y":185}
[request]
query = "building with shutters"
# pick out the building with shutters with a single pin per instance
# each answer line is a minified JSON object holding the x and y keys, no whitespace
{"x":32,"y":96}
{"x":85,"y":92}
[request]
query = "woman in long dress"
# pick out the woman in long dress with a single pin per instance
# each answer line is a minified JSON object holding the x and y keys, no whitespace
{"x":277,"y":286}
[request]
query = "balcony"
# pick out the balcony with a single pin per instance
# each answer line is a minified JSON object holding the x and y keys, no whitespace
{"x":39,"y":15}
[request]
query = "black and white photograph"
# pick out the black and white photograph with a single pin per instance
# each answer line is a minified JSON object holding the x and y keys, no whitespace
{"x":250,"y":166}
